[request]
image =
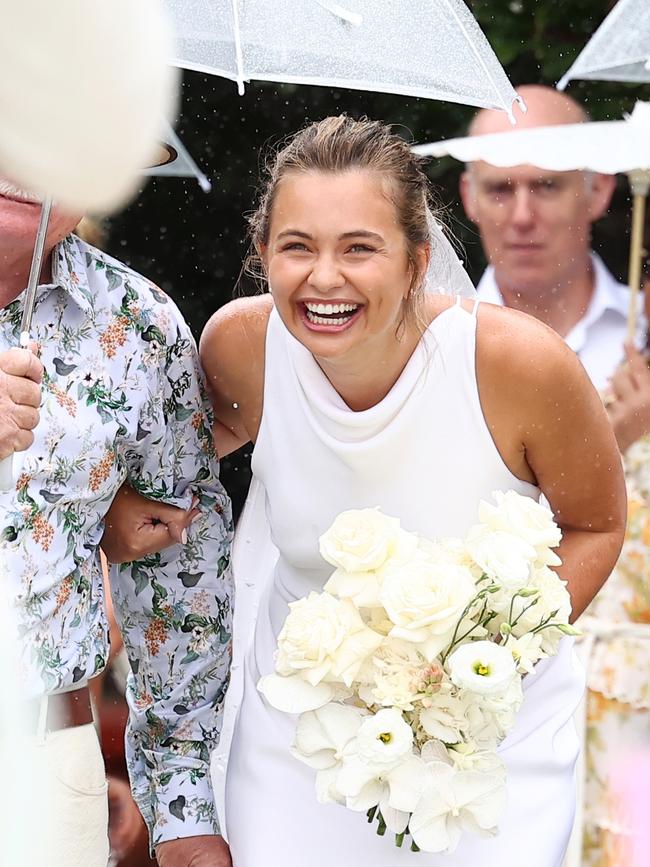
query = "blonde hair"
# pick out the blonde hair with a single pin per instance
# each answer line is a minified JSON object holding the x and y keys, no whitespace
{"x":340,"y":144}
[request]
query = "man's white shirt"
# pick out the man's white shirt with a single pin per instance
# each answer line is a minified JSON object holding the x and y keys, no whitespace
{"x":599,"y":336}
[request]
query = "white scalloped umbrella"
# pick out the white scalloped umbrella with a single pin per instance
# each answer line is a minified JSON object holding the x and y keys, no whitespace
{"x":601,"y":146}
{"x":83,"y":88}
{"x":619,"y":50}
{"x":428,"y":48}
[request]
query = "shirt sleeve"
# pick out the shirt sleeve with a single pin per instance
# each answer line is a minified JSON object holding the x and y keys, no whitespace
{"x":174,"y":607}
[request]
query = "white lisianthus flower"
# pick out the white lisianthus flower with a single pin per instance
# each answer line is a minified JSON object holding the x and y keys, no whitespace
{"x":394,"y":675}
{"x":362,"y":540}
{"x":504,"y":557}
{"x":384,"y":739}
{"x":324,"y":639}
{"x":424,"y":599}
{"x":525,"y":518}
{"x":456,"y":801}
{"x":379,"y":768}
{"x":482,"y":667}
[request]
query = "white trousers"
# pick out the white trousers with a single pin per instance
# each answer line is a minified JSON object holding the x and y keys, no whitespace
{"x":69,"y":825}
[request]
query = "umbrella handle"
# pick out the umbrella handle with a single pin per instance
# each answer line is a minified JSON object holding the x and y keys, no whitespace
{"x":10,"y":469}
{"x":636,"y":256}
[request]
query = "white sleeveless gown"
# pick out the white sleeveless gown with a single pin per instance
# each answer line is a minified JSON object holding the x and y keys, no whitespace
{"x":425,"y":455}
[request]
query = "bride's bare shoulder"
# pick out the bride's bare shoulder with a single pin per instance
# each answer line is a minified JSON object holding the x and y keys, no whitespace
{"x":232,"y":342}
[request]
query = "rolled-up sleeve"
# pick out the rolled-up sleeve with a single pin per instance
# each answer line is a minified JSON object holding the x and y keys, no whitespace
{"x":174,"y":607}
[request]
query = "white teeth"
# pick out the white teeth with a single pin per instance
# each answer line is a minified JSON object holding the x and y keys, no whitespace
{"x":320,"y":320}
{"x":329,"y":309}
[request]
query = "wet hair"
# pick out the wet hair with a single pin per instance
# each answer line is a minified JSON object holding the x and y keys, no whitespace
{"x":340,"y":144}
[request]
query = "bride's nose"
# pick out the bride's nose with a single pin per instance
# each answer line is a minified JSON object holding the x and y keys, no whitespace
{"x":325,"y":274}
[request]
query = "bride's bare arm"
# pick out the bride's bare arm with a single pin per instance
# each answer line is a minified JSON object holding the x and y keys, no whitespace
{"x":232,"y":355}
{"x":550,"y":426}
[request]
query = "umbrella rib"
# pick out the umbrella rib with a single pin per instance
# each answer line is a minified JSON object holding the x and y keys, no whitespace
{"x":238,"y":52}
{"x":463,"y":28}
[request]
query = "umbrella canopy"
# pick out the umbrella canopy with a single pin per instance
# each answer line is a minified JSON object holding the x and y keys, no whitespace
{"x":619,"y":50}
{"x":599,"y":146}
{"x":428,"y":48}
{"x":181,"y":164}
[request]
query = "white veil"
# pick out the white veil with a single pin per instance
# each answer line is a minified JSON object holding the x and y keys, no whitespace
{"x":446,"y":273}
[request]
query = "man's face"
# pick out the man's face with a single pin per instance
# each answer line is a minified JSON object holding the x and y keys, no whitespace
{"x":535,"y":225}
{"x":19,"y":216}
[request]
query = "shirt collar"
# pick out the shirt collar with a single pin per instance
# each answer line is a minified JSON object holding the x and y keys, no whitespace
{"x":608,"y":295}
{"x":68,"y":266}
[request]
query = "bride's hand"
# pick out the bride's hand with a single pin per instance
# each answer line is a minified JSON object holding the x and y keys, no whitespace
{"x":135,"y":526}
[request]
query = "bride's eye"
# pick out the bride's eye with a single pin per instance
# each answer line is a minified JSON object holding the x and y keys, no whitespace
{"x":294,"y":246}
{"x":360,"y":248}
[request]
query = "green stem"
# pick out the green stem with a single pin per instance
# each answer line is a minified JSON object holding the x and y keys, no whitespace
{"x":399,"y":839}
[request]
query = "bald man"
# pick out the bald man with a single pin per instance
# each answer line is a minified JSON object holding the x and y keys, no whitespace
{"x":535,"y":226}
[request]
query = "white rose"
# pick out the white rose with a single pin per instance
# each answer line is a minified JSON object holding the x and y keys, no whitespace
{"x":526,"y":518}
{"x":362,"y":540}
{"x":482,"y":667}
{"x":505,"y":558}
{"x":361,"y":588}
{"x":424,"y":599}
{"x":324,"y":638}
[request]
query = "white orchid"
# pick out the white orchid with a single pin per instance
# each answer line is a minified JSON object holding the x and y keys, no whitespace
{"x":320,"y":742}
{"x":482,"y":667}
{"x":453,"y":802}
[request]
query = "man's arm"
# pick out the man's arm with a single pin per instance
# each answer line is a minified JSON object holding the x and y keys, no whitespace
{"x":174,"y":611}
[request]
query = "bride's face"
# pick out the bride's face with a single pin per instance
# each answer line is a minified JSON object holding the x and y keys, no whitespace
{"x":337,"y":260}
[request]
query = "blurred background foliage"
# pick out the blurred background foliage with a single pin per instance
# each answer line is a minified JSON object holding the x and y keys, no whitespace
{"x":192,"y":244}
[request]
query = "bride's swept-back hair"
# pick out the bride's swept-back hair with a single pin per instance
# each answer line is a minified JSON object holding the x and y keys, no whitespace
{"x":339,"y":144}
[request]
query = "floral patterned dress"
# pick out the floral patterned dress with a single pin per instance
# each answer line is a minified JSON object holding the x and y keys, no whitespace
{"x":617,"y":624}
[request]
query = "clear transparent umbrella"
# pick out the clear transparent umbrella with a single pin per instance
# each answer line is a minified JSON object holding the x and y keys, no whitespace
{"x":603,"y":146}
{"x":427,"y":48}
{"x":181,"y":164}
{"x":619,"y":50}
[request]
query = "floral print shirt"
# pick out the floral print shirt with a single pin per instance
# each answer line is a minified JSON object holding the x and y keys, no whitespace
{"x":122,"y":399}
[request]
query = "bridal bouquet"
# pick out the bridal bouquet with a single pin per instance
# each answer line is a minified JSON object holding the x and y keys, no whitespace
{"x":406,"y":672}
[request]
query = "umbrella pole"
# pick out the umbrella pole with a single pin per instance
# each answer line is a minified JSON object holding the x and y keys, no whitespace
{"x":11,"y":466}
{"x":35,"y":271}
{"x":640,"y":183}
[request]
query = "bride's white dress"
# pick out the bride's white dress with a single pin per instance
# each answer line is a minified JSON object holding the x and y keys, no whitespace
{"x":425,"y":455}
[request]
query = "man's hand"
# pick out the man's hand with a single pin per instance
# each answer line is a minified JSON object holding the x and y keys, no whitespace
{"x":20,"y":397}
{"x":628,"y":402}
{"x":124,"y":820}
{"x":194,"y":852}
{"x":135,"y":526}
